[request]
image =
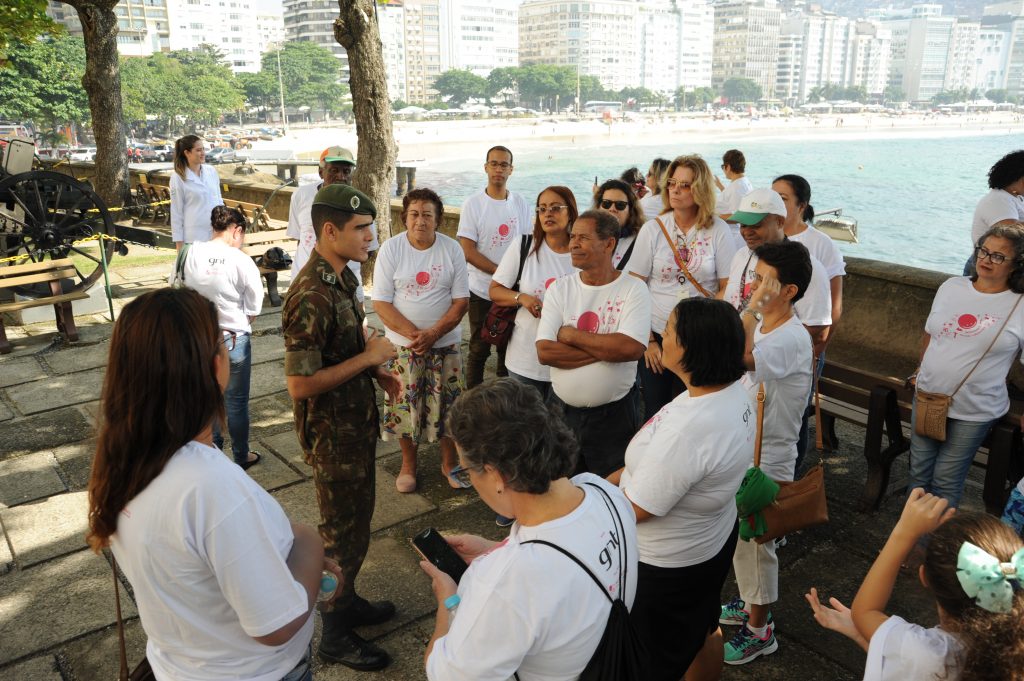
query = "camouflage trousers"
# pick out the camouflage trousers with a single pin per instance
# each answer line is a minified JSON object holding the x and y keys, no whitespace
{"x":343,"y":474}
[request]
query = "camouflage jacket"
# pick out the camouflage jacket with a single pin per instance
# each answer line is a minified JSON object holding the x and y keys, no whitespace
{"x":323,"y":326}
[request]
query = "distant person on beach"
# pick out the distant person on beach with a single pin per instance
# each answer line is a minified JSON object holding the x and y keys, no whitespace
{"x":617,"y":197}
{"x":336,"y":165}
{"x":653,"y":204}
{"x":734,"y":166}
{"x":683,"y":253}
{"x":195,"y":190}
{"x":420,"y":293}
{"x":491,"y":221}
{"x":223,"y":274}
{"x":224,"y":582}
{"x":1004,"y":203}
{"x":592,"y":332}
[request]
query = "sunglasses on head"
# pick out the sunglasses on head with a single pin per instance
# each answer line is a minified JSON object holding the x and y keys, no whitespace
{"x":619,"y":205}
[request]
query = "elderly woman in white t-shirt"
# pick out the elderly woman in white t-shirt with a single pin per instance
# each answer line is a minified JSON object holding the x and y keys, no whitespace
{"x":421,"y":293}
{"x":690,"y":236}
{"x":968,"y":313}
{"x":682,"y":472}
{"x":523,"y":607}
{"x":547,"y":259}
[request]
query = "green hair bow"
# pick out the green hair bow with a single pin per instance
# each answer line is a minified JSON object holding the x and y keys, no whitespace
{"x":989,"y":582}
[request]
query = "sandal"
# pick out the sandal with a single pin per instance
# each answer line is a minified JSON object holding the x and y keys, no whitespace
{"x":251,"y":462}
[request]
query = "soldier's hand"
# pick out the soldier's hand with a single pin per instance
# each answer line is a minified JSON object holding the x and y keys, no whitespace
{"x":379,"y":349}
{"x":335,"y":569}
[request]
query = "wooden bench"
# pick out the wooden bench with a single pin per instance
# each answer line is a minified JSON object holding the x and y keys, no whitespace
{"x":259,"y":220}
{"x":258,"y":243}
{"x":155,"y":202}
{"x":51,"y":273}
{"x":883,"y":405}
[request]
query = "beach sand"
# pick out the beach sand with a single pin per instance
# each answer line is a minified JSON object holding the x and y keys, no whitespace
{"x":424,"y":143}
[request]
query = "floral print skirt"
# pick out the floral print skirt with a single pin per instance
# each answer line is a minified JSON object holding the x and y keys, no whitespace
{"x":430,"y":384}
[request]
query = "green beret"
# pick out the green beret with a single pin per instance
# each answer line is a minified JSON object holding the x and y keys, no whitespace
{"x":345,"y":198}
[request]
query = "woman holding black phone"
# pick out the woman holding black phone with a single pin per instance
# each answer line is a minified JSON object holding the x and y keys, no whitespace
{"x":521,"y":607}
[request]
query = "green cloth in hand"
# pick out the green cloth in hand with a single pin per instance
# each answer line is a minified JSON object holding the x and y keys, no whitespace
{"x":756,"y":491}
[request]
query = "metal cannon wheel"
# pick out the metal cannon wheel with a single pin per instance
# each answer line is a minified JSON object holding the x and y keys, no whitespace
{"x":43,"y":214}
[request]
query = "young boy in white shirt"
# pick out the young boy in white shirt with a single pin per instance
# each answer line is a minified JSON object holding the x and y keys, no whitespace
{"x":778,"y":355}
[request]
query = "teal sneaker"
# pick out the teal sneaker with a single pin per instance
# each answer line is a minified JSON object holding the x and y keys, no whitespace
{"x":734,"y":613}
{"x":745,"y":646}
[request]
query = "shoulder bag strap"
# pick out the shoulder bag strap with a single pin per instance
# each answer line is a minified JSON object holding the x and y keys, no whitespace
{"x":576,"y":560}
{"x":679,"y":261}
{"x":123,"y":675}
{"x":760,"y":425}
{"x":625,"y":256}
{"x":524,"y":248}
{"x":179,"y":265}
{"x":994,"y":338}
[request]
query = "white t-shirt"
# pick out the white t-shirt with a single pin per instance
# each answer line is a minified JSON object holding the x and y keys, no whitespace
{"x":813,"y":309}
{"x":824,"y":249}
{"x":493,"y":225}
{"x":421,"y":284}
{"x":710,"y":252}
{"x":996,"y":206}
{"x":300,"y":227}
{"x":684,"y":467}
{"x":622,"y":306}
{"x":229,"y":278}
{"x":901,"y":651}
{"x":204,"y":548}
{"x":192,"y":201}
{"x":729,"y":199}
{"x":540,"y":271}
{"x":530,"y":609}
{"x":961,"y":324}
{"x":782,"y":360}
{"x":652,"y":206}
{"x":621,"y":246}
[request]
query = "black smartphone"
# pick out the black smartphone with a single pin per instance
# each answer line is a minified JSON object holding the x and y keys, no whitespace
{"x":435,"y":549}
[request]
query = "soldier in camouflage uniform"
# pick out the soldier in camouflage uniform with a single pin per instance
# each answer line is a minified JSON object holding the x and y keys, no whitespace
{"x":330,"y":367}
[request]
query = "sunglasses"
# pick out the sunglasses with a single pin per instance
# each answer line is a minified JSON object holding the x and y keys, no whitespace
{"x":619,"y":205}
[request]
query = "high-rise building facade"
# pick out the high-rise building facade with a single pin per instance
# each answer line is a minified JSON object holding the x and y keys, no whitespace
{"x":391,"y":23}
{"x":746,"y":43}
{"x":962,"y":58}
{"x":921,"y":39}
{"x":480,"y":35}
{"x":313,"y":21}
{"x":676,"y":41}
{"x":867,"y":63}
{"x":143,"y":25}
{"x":228,"y":25}
{"x":422,"y":49}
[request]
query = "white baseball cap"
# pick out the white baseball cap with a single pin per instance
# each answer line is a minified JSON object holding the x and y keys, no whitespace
{"x":756,"y":205}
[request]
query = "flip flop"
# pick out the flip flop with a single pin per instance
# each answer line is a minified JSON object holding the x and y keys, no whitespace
{"x":406,"y":483}
{"x":249,"y":464}
{"x":455,"y":483}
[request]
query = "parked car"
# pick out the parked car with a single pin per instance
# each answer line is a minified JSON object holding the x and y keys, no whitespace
{"x":165,"y":152}
{"x":221,"y":155}
{"x":83,"y":154}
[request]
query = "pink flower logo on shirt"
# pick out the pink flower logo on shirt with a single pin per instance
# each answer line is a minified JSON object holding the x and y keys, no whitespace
{"x":422,"y":282}
{"x":548,"y":283}
{"x":967,"y":325}
{"x":504,"y":230}
{"x":589,"y":322}
{"x":967,"y":321}
{"x":422,"y":278}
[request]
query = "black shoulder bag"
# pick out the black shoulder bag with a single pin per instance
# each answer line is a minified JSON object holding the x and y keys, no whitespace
{"x":500,"y":320}
{"x":621,"y":655}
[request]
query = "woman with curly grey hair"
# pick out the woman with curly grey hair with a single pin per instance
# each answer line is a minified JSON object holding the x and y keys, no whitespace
{"x":522,"y":606}
{"x":972,"y":335}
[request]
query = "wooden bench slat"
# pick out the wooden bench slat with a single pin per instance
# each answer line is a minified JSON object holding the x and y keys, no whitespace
{"x":38,"y":278}
{"x":40,"y":302}
{"x":40,"y":266}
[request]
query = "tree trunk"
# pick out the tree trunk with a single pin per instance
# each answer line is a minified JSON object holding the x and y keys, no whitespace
{"x":102,"y":82}
{"x":356,"y":30}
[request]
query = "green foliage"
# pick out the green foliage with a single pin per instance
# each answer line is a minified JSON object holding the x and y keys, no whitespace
{"x":999,"y":96}
{"x":44,"y":83}
{"x":697,"y":98}
{"x":952,"y":96}
{"x":458,"y":87}
{"x":832,"y":92}
{"x":311,"y":75}
{"x":23,"y":21}
{"x":741,"y":90}
{"x":893,"y":93}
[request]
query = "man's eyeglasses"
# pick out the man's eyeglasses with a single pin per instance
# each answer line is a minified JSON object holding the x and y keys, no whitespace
{"x":554,"y":208}
{"x":228,"y":338}
{"x":994,"y":257}
{"x":672,"y":184}
{"x":504,"y":165}
{"x":619,"y":205}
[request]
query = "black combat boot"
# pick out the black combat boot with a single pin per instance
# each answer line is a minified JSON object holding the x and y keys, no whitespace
{"x":363,"y":613}
{"x":340,"y":645}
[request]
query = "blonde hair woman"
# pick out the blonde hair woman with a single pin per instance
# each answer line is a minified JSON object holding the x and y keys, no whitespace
{"x":683,"y":253}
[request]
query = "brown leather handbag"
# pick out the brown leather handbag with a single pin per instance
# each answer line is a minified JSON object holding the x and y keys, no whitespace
{"x":799,"y":504}
{"x":500,"y":322}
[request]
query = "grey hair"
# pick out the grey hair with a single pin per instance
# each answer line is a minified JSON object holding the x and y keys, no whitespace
{"x":605,"y":224}
{"x":505,"y":424}
{"x":1013,"y":233}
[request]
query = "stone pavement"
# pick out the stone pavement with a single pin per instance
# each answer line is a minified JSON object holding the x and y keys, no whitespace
{"x":57,"y":617}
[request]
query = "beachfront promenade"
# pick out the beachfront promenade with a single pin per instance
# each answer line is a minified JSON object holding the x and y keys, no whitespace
{"x":57,"y":617}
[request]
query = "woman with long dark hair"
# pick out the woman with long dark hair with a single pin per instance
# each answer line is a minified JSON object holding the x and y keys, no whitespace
{"x":195,"y":190}
{"x":225,"y":585}
{"x":617,"y":197}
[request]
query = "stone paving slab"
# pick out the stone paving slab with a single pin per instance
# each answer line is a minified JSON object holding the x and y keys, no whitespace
{"x":79,"y":358}
{"x":267,"y":348}
{"x":43,"y":431}
{"x":6,"y":559}
{"x":272,"y":472}
{"x":5,"y":412}
{"x":27,"y":478}
{"x":406,"y":649}
{"x":21,"y":370}
{"x":286,"y":444}
{"x":268,"y":321}
{"x":56,"y":602}
{"x":270,"y":415}
{"x":42,"y":668}
{"x":76,"y":462}
{"x":96,"y":656}
{"x":267,"y":379}
{"x":46,"y":394}
{"x":45,"y":529}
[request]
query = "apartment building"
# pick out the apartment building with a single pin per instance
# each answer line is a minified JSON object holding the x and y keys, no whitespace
{"x":313,"y":21}
{"x":868,"y":58}
{"x":143,"y":25}
{"x":746,"y":43}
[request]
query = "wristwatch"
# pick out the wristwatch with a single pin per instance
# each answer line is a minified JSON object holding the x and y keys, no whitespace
{"x":753,"y":313}
{"x":517,"y":297}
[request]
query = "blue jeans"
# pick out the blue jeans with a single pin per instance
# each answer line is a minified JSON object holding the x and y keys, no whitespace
{"x":236,"y":400}
{"x":941,"y":467}
{"x":543,"y":387}
{"x":303,"y":671}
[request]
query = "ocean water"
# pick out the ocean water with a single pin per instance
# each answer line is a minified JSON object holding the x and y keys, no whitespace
{"x":913,"y":198}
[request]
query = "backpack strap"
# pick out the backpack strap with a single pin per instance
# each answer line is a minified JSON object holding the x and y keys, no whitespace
{"x":625,"y":259}
{"x":524,"y":247}
{"x":576,"y":560}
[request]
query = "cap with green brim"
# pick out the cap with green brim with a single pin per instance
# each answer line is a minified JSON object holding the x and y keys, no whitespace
{"x":345,"y":198}
{"x":757,"y":205}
